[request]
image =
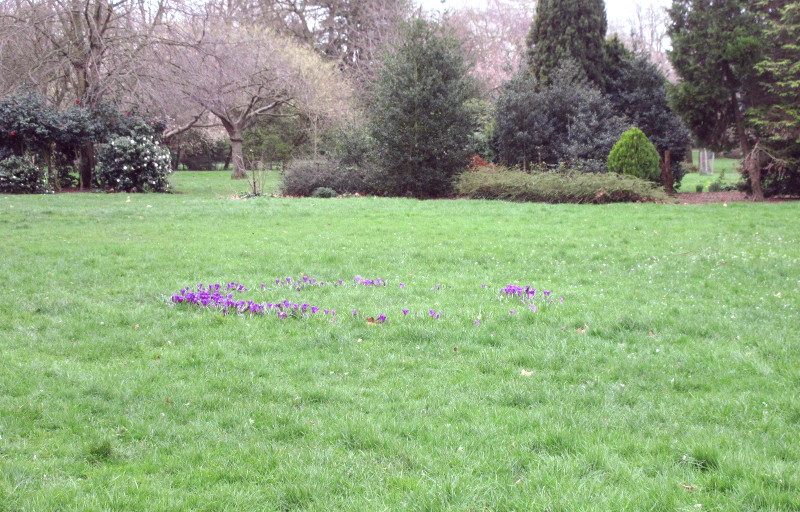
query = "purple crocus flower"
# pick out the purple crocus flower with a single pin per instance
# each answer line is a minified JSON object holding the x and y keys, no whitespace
{"x":381,"y":318}
{"x":402,"y":285}
{"x":512,"y":312}
{"x":355,"y":313}
{"x":405,"y":312}
{"x":533,"y":308}
{"x":476,"y":323}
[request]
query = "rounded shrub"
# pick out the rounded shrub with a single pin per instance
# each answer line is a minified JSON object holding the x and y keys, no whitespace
{"x":134,"y":164}
{"x":19,"y":175}
{"x":635,"y":155}
{"x":324,"y":192}
{"x":303,"y":177}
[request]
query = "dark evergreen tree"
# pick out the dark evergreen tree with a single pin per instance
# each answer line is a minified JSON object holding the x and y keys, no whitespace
{"x":419,"y":121}
{"x":567,"y":121}
{"x":715,"y":46}
{"x":637,"y":90}
{"x":777,"y":118}
{"x":567,"y":30}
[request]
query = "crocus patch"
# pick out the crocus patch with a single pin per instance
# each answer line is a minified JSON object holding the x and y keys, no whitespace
{"x":226,"y":298}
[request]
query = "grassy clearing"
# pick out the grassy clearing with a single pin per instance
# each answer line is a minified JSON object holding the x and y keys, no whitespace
{"x":668,"y":377}
{"x":726,"y":170}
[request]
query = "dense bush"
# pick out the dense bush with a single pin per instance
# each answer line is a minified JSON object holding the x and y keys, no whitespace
{"x":352,"y":147}
{"x":418,"y":118}
{"x":557,"y":187}
{"x":635,"y":155}
{"x":568,"y":120}
{"x":19,"y":175}
{"x":134,"y":164}
{"x":637,"y":90}
{"x":303,"y":177}
{"x":53,"y":140}
{"x":324,"y":192}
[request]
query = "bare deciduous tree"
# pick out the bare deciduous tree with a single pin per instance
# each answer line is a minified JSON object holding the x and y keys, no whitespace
{"x":493,"y":38}
{"x":646,"y":32}
{"x":238,"y":73}
{"x":79,"y":49}
{"x":349,"y":32}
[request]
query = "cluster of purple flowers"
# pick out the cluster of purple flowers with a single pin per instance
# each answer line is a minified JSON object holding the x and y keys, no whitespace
{"x":527,"y":295}
{"x":212,"y":297}
{"x":369,"y":282}
{"x":297,"y":284}
{"x":221,"y":297}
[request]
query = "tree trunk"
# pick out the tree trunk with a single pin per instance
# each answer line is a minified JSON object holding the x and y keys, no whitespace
{"x":86,"y":165}
{"x":752,"y":165}
{"x":667,"y":178}
{"x":239,"y":172}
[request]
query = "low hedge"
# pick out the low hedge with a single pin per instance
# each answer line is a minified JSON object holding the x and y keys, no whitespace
{"x":557,"y":187}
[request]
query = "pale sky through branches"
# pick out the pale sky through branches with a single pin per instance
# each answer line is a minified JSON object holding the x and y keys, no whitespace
{"x":619,"y":11}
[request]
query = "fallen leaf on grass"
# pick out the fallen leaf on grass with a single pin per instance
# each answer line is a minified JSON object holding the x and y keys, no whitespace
{"x":525,"y":373}
{"x":136,"y":327}
{"x":581,"y":330}
{"x":689,"y":487}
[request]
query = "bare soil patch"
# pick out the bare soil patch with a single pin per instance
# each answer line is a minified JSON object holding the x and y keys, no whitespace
{"x":724,"y":197}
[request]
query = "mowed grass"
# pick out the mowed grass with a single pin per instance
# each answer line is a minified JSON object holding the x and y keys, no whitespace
{"x":669,"y":379}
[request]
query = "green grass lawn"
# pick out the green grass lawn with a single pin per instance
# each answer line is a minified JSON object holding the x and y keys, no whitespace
{"x":668,"y":379}
{"x":726,"y":170}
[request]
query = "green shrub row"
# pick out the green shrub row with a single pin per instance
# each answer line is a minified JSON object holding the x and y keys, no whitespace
{"x":561,"y":187}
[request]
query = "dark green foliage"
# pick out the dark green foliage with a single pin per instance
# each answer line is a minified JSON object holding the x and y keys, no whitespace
{"x":568,"y":120}
{"x":303,"y":177}
{"x":637,"y":90}
{"x":274,"y":139}
{"x":557,"y":187}
{"x":198,"y":151}
{"x":27,"y":124}
{"x":18,"y":175}
{"x":50,"y":139}
{"x":324,"y":192}
{"x":482,"y":139}
{"x":353,"y":147}
{"x":715,"y":46}
{"x":567,"y":30}
{"x":418,"y":118}
{"x":133,"y":164}
{"x":635,"y":155}
{"x":777,"y":117}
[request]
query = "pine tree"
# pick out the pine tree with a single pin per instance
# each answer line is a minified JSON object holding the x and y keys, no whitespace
{"x":715,"y":46}
{"x":419,"y":120}
{"x":567,"y":30}
{"x":777,"y":118}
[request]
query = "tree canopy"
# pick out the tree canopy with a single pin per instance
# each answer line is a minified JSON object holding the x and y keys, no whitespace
{"x":567,"y":30}
{"x":419,"y":119}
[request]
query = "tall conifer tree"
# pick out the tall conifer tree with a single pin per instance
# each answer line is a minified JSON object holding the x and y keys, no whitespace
{"x":567,"y":30}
